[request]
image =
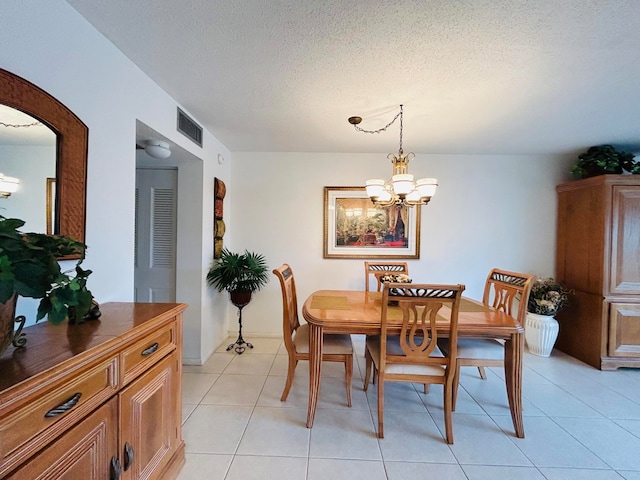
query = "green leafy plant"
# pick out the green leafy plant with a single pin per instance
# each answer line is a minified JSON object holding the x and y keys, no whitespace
{"x":245,"y":272}
{"x":29,"y":267}
{"x":602,"y":159}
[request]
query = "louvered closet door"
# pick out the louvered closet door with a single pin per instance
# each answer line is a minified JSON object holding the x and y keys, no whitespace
{"x":155,"y":251}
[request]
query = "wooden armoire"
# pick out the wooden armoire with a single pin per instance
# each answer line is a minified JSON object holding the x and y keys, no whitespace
{"x":598,"y":257}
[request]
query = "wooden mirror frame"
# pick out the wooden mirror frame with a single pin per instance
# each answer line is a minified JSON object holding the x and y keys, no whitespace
{"x":72,"y":144}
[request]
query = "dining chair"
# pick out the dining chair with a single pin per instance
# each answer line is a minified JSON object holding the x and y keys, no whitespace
{"x":377,"y":270}
{"x":380,"y":269}
{"x":409,"y":352}
{"x":335,"y":347}
{"x":502,"y":290}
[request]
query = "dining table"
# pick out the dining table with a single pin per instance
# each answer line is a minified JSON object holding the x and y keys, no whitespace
{"x":359,"y":312}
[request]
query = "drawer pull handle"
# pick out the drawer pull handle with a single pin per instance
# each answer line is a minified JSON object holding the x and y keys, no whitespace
{"x":64,"y":407}
{"x":128,"y":456}
{"x":150,"y":350}
{"x":116,"y":469}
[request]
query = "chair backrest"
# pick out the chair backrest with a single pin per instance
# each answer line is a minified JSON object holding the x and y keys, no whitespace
{"x":290,"y":322}
{"x":380,"y":269}
{"x":417,"y":308}
{"x":503,"y":288}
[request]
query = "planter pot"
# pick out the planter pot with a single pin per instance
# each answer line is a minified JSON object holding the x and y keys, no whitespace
{"x":240,"y":298}
{"x":7,"y":324}
{"x":541,"y":332}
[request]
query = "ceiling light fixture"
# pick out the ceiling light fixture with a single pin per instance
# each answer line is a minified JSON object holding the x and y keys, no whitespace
{"x":8,"y":185}
{"x":400,"y":189}
{"x":157,"y":149}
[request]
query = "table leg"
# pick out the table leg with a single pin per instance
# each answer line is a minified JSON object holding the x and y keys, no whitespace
{"x":315,"y":370}
{"x":513,"y":352}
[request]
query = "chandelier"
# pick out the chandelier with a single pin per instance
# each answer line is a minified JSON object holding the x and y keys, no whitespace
{"x":8,"y":185}
{"x":400,"y":189}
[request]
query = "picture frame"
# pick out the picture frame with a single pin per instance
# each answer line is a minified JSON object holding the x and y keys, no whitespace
{"x":356,"y":228}
{"x":50,"y":206}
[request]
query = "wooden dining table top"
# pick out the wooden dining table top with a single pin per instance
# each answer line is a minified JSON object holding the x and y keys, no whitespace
{"x":358,"y":311}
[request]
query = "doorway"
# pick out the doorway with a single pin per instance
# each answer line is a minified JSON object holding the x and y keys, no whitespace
{"x":155,"y":234}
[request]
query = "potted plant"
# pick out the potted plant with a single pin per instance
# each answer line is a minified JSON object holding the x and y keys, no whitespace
{"x":240,"y":274}
{"x":29,"y":268}
{"x":546,"y":299}
{"x":602,"y":159}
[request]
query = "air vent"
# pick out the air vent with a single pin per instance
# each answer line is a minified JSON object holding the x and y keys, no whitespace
{"x":189,"y":128}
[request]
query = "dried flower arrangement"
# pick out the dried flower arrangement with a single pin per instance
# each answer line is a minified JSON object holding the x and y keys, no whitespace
{"x":547,"y":297}
{"x":395,"y":278}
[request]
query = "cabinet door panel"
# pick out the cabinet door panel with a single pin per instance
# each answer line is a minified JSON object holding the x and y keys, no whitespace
{"x":84,"y":452}
{"x":580,"y":248}
{"x":624,"y":331}
{"x":625,"y":241}
{"x":148,"y":420}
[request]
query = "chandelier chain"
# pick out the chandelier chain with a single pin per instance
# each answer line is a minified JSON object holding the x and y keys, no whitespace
{"x":400,"y":128}
{"x":385,"y":127}
{"x":25,"y":125}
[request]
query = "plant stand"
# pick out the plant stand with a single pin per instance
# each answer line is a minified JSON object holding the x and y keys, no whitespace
{"x":240,"y":345}
{"x":540,"y":333}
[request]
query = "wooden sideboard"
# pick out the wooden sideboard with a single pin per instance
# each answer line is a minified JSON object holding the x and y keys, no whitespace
{"x":100,"y":400}
{"x":598,"y":256}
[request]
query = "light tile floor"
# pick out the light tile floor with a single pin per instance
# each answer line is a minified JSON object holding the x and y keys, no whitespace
{"x":580,"y":423}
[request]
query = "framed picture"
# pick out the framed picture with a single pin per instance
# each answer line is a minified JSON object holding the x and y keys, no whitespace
{"x":51,"y":205}
{"x":355,"y":228}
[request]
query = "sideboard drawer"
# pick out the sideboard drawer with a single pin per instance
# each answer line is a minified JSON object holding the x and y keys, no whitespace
{"x":51,"y":411}
{"x":145,"y":353}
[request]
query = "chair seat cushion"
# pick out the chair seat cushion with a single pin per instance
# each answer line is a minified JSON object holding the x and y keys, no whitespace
{"x":331,"y":343}
{"x":480,"y":348}
{"x":394,"y":348}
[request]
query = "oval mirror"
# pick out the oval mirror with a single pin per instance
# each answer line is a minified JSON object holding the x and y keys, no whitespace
{"x":68,"y":190}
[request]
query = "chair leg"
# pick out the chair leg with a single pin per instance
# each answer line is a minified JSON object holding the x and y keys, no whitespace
{"x":448,"y":408}
{"x":454,"y":387}
{"x":380,"y":408}
{"x":426,"y":388}
{"x":483,"y":374}
{"x":367,"y":372}
{"x":290,"y":371}
{"x":348,"y":367}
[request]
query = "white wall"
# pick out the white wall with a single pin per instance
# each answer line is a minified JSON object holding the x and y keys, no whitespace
{"x":489,"y":211}
{"x":52,"y":46}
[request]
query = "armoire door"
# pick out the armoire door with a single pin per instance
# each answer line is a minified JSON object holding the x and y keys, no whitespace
{"x":625,"y":241}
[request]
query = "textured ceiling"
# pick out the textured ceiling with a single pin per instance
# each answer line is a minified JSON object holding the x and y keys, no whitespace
{"x":475,"y":76}
{"x":18,"y":128}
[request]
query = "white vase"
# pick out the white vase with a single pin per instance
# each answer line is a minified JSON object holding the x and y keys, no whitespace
{"x":541,"y":332}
